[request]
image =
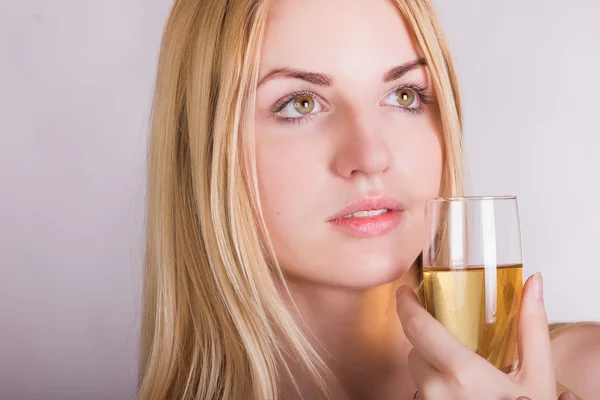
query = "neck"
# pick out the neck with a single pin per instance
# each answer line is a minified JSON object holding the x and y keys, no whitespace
{"x":358,"y":334}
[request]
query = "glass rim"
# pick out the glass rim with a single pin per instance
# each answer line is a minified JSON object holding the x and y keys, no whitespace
{"x":473,"y":198}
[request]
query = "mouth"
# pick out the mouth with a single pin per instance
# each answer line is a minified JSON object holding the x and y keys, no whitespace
{"x":366,"y":214}
{"x":369,"y":217}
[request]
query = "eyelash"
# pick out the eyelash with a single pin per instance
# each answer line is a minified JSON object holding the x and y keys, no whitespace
{"x":283,"y":102}
{"x":418,"y":88}
{"x":421,"y":92}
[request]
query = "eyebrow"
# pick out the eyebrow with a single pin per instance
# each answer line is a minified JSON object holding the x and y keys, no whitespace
{"x":312,"y":77}
{"x":320,"y":79}
{"x":400,"y":71}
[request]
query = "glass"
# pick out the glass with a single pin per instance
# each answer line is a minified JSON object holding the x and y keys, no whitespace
{"x":473,"y":273}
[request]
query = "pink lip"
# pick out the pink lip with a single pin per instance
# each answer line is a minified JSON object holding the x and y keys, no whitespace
{"x":370,"y":226}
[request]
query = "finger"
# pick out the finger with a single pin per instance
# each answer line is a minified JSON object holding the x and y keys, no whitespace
{"x":535,"y":357}
{"x":427,"y":335}
{"x":427,"y":379}
{"x":567,"y":396}
{"x":420,"y":369}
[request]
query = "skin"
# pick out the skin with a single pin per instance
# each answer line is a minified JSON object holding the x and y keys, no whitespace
{"x":353,"y":147}
{"x":360,"y":140}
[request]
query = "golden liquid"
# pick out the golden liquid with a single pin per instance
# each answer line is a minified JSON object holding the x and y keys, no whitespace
{"x":456,"y":298}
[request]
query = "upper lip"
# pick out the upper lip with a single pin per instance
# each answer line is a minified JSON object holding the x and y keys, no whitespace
{"x":369,"y":204}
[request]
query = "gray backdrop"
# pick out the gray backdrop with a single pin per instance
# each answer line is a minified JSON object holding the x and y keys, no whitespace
{"x":76,"y":79}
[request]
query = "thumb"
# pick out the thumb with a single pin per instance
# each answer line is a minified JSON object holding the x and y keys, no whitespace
{"x":567,"y":396}
{"x":533,"y":338}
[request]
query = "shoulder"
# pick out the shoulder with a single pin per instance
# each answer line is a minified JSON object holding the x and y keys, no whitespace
{"x":576,"y":354}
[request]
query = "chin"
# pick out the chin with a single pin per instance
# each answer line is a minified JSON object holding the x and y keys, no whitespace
{"x":352,"y":269}
{"x":338,"y":260}
{"x":367,"y":270}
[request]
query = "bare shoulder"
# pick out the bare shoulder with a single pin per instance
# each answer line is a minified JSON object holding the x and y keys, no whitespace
{"x":576,"y":354}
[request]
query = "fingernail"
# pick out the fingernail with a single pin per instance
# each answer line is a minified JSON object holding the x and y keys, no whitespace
{"x":398,"y":291}
{"x":570,"y":396}
{"x":401,"y":288}
{"x":538,"y":291}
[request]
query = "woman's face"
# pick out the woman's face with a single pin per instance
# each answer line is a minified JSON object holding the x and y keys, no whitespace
{"x":347,"y":140}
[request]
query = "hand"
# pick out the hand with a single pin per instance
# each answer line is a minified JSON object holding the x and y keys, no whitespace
{"x":442,"y":368}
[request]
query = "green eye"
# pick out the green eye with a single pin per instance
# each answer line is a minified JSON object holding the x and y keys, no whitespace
{"x":406,"y":97}
{"x":304,"y":104}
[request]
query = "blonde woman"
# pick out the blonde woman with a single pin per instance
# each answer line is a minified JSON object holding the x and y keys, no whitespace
{"x":273,"y":121}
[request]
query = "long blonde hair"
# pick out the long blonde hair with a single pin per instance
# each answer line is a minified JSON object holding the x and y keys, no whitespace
{"x":214,"y":323}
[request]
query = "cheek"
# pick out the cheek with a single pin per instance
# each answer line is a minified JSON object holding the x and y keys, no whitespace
{"x":272,"y":170}
{"x":429,"y":162}
{"x":292,"y":171}
{"x":419,"y":163}
{"x":285,"y":170}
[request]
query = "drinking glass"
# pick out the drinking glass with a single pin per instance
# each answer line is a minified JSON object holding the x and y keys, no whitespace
{"x":473,"y":272}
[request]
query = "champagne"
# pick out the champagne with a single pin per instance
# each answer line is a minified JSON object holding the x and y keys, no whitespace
{"x":457,"y":298}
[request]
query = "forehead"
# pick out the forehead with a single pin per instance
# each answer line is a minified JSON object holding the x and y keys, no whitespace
{"x":339,"y":37}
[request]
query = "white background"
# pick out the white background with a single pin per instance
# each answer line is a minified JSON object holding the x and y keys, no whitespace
{"x":76,"y":80}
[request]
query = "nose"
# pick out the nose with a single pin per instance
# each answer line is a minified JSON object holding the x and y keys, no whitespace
{"x":361,"y":149}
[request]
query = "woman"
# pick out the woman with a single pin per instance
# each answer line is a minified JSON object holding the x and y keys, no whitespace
{"x":292,"y":146}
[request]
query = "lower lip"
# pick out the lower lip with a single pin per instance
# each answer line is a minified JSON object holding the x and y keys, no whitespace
{"x":364,"y":227}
